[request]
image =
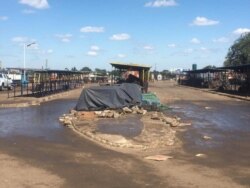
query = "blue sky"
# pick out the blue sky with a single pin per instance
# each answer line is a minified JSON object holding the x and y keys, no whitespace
{"x":163,"y":33}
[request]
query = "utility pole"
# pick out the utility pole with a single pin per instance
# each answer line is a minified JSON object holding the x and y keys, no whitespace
{"x":24,"y":59}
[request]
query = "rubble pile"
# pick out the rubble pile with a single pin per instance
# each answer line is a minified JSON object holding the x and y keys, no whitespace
{"x":74,"y":115}
{"x":171,"y":121}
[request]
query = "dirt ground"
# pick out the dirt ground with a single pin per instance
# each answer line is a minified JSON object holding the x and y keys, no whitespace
{"x":36,"y":151}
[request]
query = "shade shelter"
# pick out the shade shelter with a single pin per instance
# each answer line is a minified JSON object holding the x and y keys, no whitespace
{"x":143,"y":72}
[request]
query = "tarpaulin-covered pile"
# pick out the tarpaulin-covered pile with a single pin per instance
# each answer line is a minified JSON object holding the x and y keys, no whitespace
{"x":109,"y":97}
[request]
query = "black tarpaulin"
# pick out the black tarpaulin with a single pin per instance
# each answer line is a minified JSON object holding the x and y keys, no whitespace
{"x":109,"y":97}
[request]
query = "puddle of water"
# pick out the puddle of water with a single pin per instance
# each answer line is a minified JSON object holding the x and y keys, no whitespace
{"x":223,"y":122}
{"x":36,"y":121}
{"x":130,"y":126}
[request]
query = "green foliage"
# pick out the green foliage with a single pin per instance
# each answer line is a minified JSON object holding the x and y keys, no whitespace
{"x":101,"y":72}
{"x":239,"y":52}
{"x":209,"y":67}
{"x":115,"y":73}
{"x":73,"y":69}
{"x":167,"y":74}
{"x":86,"y":69}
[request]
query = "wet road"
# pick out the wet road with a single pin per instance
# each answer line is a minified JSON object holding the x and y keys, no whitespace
{"x":228,"y":125}
{"x":225,"y":120}
{"x":35,"y":136}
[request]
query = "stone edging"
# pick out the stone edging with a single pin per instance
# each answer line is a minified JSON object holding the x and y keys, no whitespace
{"x":71,"y":122}
{"x":102,"y":141}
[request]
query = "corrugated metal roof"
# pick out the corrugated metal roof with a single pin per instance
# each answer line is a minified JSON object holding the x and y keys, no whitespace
{"x":127,"y":66}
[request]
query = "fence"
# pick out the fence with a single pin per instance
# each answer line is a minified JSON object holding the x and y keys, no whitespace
{"x":46,"y":83}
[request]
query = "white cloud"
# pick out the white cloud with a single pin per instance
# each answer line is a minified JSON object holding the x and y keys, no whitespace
{"x":19,"y":39}
{"x":121,"y":55}
{"x":195,"y":41}
{"x":3,"y":18}
{"x":39,"y":4}
{"x":28,"y":11}
{"x":203,"y":21}
{"x":45,"y":52}
{"x":64,"y":37}
{"x":122,"y":36}
{"x":161,"y":3}
{"x":148,"y":47}
{"x":50,"y":51}
{"x":241,"y":31}
{"x":95,"y":48}
{"x":92,"y":53}
{"x":188,"y":51}
{"x":204,"y":49}
{"x":91,"y":29}
{"x":221,"y":40}
{"x":31,"y":43}
{"x":172,"y":45}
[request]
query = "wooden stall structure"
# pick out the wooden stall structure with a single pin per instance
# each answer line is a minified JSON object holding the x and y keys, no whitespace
{"x":126,"y":71}
{"x":232,"y":79}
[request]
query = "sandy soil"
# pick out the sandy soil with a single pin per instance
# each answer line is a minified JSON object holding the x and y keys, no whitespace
{"x":15,"y":173}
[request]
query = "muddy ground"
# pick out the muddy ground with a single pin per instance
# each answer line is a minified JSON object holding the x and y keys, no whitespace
{"x":36,"y":151}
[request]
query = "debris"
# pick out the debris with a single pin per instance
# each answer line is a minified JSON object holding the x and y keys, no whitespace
{"x":207,"y":138}
{"x":127,"y":110}
{"x":155,"y":116}
{"x":185,"y":124}
{"x":141,"y":111}
{"x":177,"y":118}
{"x":200,"y":155}
{"x":102,"y":115}
{"x":158,"y":157}
{"x":172,"y":121}
{"x":134,"y":109}
{"x":61,"y":119}
{"x":208,"y":108}
{"x":67,"y":122}
{"x":72,"y":111}
{"x":110,"y":114}
{"x":98,"y":113}
{"x":116,"y":115}
{"x":144,"y":112}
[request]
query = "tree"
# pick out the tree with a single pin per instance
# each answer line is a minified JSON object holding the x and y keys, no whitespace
{"x":209,"y":67}
{"x":86,"y":69}
{"x":239,"y":52}
{"x":115,"y":73}
{"x":101,"y":72}
{"x":73,"y":69}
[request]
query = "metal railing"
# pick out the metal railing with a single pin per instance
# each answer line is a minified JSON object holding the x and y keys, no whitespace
{"x":43,"y":88}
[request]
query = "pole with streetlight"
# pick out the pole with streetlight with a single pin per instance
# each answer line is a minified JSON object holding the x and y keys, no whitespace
{"x":24,"y":60}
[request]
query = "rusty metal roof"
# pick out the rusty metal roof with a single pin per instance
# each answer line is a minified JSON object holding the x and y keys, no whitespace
{"x":130,"y":66}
